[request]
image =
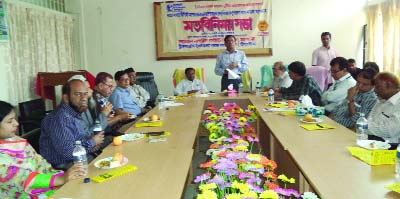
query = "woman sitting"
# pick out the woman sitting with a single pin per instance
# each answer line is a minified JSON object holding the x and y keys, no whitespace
{"x":23,"y":172}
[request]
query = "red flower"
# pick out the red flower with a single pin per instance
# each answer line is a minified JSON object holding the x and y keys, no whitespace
{"x":270,"y":165}
{"x":206,"y":165}
{"x":222,"y":154}
{"x":271,"y":185}
{"x":214,"y":146}
{"x":270,"y":176}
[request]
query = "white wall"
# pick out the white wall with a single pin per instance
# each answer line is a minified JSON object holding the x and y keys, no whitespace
{"x":4,"y":68}
{"x":117,"y":34}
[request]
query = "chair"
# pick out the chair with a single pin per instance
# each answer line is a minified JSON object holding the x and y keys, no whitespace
{"x":179,"y":74}
{"x":146,"y":80}
{"x":31,"y":114}
{"x":247,"y":80}
{"x":33,"y":138}
{"x":266,"y":75}
{"x":321,"y":74}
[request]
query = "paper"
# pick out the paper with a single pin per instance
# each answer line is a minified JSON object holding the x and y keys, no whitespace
{"x":232,"y":75}
{"x":114,"y":173}
{"x":278,"y":105}
{"x":171,"y":103}
{"x":320,"y":126}
{"x":148,"y":124}
{"x":394,"y":187}
{"x":374,"y":157}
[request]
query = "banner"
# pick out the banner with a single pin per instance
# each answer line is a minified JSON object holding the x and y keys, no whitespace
{"x":3,"y":28}
{"x":198,"y":26}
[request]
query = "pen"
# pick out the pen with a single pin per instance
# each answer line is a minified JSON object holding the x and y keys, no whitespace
{"x":387,"y":116}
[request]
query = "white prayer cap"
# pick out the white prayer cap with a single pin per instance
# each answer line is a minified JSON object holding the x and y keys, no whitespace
{"x":77,"y":77}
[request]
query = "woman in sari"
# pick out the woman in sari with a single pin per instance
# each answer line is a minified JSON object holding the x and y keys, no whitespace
{"x":23,"y":172}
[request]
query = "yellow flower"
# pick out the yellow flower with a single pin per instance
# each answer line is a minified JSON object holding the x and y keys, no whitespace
{"x":251,"y":107}
{"x":213,"y":136}
{"x":269,"y":194}
{"x":209,"y":125}
{"x":254,"y":157}
{"x":234,"y":196}
{"x":283,"y":178}
{"x":240,"y":123}
{"x":292,"y":180}
{"x":212,"y":117}
{"x":243,"y":141}
{"x":257,"y":166}
{"x":204,"y":187}
{"x":240,"y":148}
{"x":250,"y":194}
{"x":242,"y":119}
{"x":226,"y":114}
{"x":244,"y":188}
{"x":207,"y":194}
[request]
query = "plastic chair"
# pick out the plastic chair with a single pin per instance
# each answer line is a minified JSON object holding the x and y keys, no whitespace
{"x":146,"y":80}
{"x":321,"y":74}
{"x":247,"y":80}
{"x":266,"y":75}
{"x":179,"y":74}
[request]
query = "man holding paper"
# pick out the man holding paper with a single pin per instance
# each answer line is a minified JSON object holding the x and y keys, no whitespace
{"x":231,"y":63}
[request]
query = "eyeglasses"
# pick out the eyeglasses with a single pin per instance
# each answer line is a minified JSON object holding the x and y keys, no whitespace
{"x":81,"y":94}
{"x":275,"y":68}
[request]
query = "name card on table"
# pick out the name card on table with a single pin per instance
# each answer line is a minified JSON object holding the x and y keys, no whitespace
{"x":374,"y":157}
{"x":114,"y":173}
{"x":148,"y":124}
{"x":394,"y":187}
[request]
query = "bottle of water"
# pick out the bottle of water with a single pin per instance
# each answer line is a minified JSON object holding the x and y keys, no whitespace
{"x":240,"y":90}
{"x":160,"y":101}
{"x":79,"y":154}
{"x":271,"y":96}
{"x":362,"y":128}
{"x":398,"y":160}
{"x":258,"y":89}
{"x":97,"y":127}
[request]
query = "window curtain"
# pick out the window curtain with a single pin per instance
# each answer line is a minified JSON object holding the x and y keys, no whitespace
{"x":40,"y":41}
{"x":384,"y":35}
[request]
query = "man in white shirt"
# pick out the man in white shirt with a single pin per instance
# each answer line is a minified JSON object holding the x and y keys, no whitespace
{"x":138,"y":92}
{"x":343,"y":81}
{"x":323,"y":55}
{"x":190,"y":84}
{"x":281,"y":77}
{"x":384,"y":119}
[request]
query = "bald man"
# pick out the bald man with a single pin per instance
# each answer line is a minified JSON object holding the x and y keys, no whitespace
{"x":384,"y":119}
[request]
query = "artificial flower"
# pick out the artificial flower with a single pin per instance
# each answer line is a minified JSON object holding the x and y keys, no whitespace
{"x":202,"y":177}
{"x":269,"y":194}
{"x":207,"y":186}
{"x":233,"y":196}
{"x":271,"y":185}
{"x":270,"y":176}
{"x":243,"y":188}
{"x":309,"y":195}
{"x":207,"y":194}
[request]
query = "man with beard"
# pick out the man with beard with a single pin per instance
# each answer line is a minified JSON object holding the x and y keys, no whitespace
{"x":62,"y":127}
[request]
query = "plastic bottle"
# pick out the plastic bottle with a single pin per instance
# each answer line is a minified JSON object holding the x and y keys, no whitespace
{"x":362,"y":128}
{"x":398,"y":160}
{"x":240,"y":90}
{"x":258,"y":89}
{"x":271,"y":96}
{"x":79,"y":154}
{"x":97,"y":127}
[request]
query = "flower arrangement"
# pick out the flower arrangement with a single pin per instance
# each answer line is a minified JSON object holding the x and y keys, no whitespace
{"x":233,"y":170}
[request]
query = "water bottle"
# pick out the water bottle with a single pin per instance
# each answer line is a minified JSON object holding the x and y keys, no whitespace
{"x":79,"y":154}
{"x":271,"y":96}
{"x":160,"y":101}
{"x":362,"y":128}
{"x":97,"y":127}
{"x":398,"y":160}
{"x":240,"y":88}
{"x":258,"y":89}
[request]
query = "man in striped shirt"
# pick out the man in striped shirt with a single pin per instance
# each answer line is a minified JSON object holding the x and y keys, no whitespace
{"x":62,"y":127}
{"x":360,"y":99}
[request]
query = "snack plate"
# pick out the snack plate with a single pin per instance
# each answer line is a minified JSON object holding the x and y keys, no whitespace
{"x":317,"y":120}
{"x":105,"y":163}
{"x":373,"y":144}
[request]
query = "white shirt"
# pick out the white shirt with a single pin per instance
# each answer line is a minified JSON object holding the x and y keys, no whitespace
{"x":337,"y":92}
{"x":140,"y":95}
{"x":384,"y":119}
{"x":322,"y":56}
{"x":281,"y":81}
{"x":185,"y":85}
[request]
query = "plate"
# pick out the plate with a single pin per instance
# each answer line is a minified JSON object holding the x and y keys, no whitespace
{"x":317,"y":120}
{"x":373,"y":144}
{"x":132,"y":136}
{"x":146,"y":119}
{"x":108,"y":159}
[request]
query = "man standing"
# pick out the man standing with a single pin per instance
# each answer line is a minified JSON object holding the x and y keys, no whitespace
{"x":303,"y":84}
{"x":384,"y":119}
{"x":62,"y":127}
{"x":335,"y":94}
{"x":323,"y":55}
{"x":121,"y":98}
{"x":190,"y":84}
{"x":139,"y":93}
{"x":230,"y":63}
{"x":360,"y":99}
{"x":281,"y":77}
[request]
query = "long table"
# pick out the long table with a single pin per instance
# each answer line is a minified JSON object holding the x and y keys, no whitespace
{"x":318,"y":160}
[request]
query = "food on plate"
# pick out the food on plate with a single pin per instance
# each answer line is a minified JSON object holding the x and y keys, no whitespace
{"x":308,"y":118}
{"x":117,"y":140}
{"x":291,"y":104}
{"x":154,"y":118}
{"x":104,"y":164}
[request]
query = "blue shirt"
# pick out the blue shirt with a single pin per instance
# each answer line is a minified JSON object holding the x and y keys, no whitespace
{"x":225,"y":58}
{"x":60,"y":129}
{"x":121,"y":98}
